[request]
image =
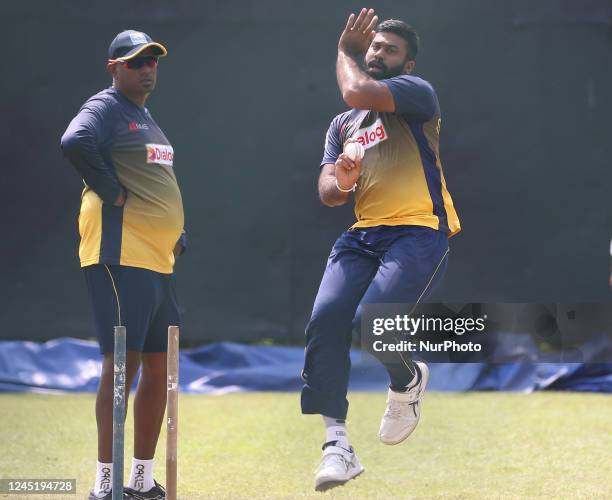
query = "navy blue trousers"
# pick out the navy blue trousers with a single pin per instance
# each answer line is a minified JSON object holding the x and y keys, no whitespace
{"x":376,"y":265}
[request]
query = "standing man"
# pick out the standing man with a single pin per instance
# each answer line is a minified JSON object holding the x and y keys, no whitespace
{"x":131,"y":227}
{"x":397,"y":250}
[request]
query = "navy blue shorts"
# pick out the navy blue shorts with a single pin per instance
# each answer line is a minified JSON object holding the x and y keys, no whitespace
{"x":141,"y":300}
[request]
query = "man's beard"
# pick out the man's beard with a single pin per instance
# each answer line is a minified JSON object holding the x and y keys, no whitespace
{"x":382,"y":72}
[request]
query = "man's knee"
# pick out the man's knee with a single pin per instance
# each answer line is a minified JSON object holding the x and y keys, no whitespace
{"x":132,"y":363}
{"x":154,"y":364}
{"x":330,"y":317}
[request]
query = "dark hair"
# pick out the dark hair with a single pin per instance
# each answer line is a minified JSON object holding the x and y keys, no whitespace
{"x":403,"y":30}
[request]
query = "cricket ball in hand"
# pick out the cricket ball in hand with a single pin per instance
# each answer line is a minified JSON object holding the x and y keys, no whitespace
{"x":354,"y":151}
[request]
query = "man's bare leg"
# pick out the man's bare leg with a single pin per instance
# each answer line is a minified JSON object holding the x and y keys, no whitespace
{"x":149,"y":408}
{"x":104,"y":401}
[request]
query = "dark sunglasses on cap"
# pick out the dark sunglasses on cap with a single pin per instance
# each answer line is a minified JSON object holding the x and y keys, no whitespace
{"x":138,"y":62}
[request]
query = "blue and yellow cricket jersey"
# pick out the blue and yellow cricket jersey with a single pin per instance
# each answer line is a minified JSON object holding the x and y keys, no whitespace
{"x":401,"y":181}
{"x":112,"y":142}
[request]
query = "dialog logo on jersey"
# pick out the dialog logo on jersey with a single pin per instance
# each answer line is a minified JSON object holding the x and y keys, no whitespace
{"x":162,"y":154}
{"x":371,"y":136}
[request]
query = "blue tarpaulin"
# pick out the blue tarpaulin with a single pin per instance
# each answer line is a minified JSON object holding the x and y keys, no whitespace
{"x":73,"y":365}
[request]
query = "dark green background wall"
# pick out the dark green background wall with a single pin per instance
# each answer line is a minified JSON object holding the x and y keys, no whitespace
{"x":246,"y":96}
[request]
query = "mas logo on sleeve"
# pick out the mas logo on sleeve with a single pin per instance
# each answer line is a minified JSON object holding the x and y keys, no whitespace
{"x":162,"y":154}
{"x":371,"y":136}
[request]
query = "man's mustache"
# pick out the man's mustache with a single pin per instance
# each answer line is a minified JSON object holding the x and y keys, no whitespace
{"x":378,"y":65}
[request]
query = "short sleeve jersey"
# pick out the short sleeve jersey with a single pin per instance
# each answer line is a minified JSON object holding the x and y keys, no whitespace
{"x":133,"y":150}
{"x":401,"y":181}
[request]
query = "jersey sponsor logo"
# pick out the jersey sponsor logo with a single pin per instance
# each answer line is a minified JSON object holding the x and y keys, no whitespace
{"x":371,"y":136}
{"x":162,"y":154}
{"x":138,"y":126}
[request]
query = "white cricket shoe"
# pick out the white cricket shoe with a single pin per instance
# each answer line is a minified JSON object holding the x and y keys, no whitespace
{"x":403,"y":411}
{"x":338,"y":465}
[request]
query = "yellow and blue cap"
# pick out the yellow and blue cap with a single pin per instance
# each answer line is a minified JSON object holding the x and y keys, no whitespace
{"x":130,"y":43}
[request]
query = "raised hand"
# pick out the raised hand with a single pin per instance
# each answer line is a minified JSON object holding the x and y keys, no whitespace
{"x":358,"y":33}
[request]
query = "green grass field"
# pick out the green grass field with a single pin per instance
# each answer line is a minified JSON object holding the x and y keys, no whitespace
{"x":258,"y":445}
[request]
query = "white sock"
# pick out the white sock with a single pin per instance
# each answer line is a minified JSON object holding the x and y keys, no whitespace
{"x":141,"y":477}
{"x":335,"y":430}
{"x":104,"y":479}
